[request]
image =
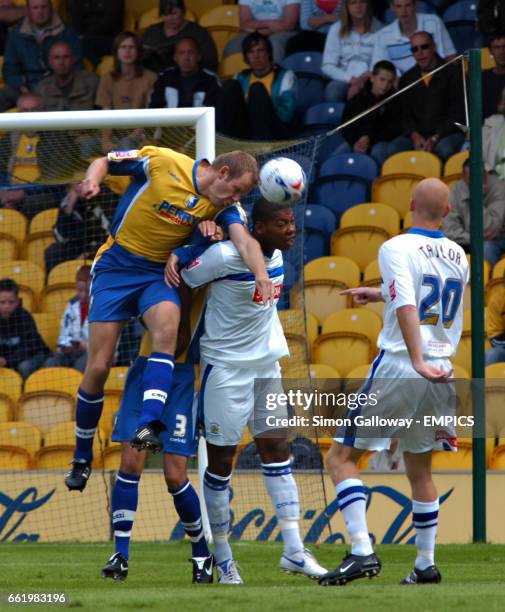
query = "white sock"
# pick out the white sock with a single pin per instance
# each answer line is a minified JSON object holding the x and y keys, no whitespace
{"x":281,"y":487}
{"x":217,"y":500}
{"x":425,"y":519}
{"x":352,"y":503}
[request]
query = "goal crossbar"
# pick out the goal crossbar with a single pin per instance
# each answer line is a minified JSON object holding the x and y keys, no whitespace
{"x":202,"y":119}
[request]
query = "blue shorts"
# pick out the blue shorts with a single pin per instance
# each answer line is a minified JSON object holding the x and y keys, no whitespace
{"x":125,"y":285}
{"x":179,"y":415}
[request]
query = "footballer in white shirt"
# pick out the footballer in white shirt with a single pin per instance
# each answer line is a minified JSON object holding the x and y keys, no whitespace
{"x":423,"y":279}
{"x":243,"y":341}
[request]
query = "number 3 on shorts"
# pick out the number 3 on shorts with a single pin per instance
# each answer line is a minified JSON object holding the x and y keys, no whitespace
{"x":180,"y":425}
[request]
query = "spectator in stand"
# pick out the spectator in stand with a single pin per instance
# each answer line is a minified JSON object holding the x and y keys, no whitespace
{"x":186,"y":84}
{"x":81,"y":226}
{"x":159,"y":39}
{"x":10,"y":13}
{"x":26,"y":58}
{"x":491,"y":17}
{"x":97,"y":22}
{"x":260,"y":102}
{"x":379,"y":132}
{"x":495,"y":326}
{"x":20,"y":164}
{"x":347,"y":57}
{"x":72,"y":347}
{"x":457,"y":223}
{"x":21,"y":346}
{"x":276,"y":19}
{"x":127,"y":85}
{"x":68,"y":87}
{"x":393,"y":42}
{"x":316,"y":17}
{"x":493,"y":140}
{"x":493,"y":80}
{"x":431,"y":108}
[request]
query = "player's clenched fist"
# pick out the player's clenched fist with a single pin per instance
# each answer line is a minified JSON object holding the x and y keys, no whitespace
{"x":266,"y":289}
{"x":89,"y":188}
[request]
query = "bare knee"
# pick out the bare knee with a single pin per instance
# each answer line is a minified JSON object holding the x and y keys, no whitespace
{"x":220,"y":459}
{"x":132,"y":461}
{"x":97,"y":372}
{"x":333,"y":457}
{"x":164,"y":337}
{"x":340,"y":461}
{"x":174,"y":468}
{"x":273,"y":450}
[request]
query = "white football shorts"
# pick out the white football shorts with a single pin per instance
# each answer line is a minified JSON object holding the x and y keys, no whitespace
{"x":412,"y":406}
{"x":227,"y":401}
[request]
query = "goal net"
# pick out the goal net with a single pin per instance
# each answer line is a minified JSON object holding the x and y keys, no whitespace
{"x":47,"y":235}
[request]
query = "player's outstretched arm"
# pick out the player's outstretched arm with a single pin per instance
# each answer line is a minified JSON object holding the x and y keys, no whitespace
{"x":408,"y":319}
{"x":96,"y":172}
{"x":364,"y":295}
{"x":250,"y":251}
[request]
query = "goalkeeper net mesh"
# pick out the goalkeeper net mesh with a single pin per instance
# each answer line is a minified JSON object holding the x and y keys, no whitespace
{"x":47,"y":233}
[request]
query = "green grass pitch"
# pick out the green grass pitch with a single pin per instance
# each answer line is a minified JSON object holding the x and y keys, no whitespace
{"x":160,"y":579}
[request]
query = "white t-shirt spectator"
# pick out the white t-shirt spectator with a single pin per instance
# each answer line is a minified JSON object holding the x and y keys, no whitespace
{"x":267,"y":9}
{"x":391,"y":44}
{"x":350,"y":56}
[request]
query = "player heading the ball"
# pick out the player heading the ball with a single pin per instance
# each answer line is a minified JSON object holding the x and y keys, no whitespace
{"x":170,"y":194}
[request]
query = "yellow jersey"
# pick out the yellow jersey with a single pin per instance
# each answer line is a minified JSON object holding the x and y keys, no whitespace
{"x":162,"y":205}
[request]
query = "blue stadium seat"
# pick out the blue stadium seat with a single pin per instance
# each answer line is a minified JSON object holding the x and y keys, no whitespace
{"x":461,"y":21}
{"x":464,"y":10}
{"x":319,"y":223}
{"x":421,"y":7}
{"x":464,"y":36}
{"x":311,"y":80}
{"x":327,"y":146}
{"x":353,"y":164}
{"x":304,"y":62}
{"x":344,"y":180}
{"x":324,"y":115}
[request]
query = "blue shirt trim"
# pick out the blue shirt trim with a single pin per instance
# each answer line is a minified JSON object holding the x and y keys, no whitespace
{"x":249,"y":276}
{"x":427,"y":233}
{"x":195,"y":168}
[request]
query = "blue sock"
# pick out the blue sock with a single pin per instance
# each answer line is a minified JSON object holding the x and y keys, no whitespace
{"x":125,"y":496}
{"x":87,"y":414}
{"x":156,"y":384}
{"x":187,"y":505}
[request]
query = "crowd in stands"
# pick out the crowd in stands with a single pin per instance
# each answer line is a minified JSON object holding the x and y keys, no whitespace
{"x":366,"y":52}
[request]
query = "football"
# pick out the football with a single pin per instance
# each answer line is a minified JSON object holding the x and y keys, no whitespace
{"x":282,"y":180}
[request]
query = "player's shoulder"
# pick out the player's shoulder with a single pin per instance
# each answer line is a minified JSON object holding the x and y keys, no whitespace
{"x":396,"y":243}
{"x":276,"y":261}
{"x":163,"y":152}
{"x":456,"y":252}
{"x":138,"y":154}
{"x":232,"y":214}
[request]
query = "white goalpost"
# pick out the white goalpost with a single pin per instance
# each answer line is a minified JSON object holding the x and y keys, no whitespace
{"x":201,"y":119}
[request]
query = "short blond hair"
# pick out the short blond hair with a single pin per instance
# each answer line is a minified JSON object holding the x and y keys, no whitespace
{"x":239,"y":162}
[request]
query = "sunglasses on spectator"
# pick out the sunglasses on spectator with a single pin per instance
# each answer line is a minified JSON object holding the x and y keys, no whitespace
{"x":422,"y":47}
